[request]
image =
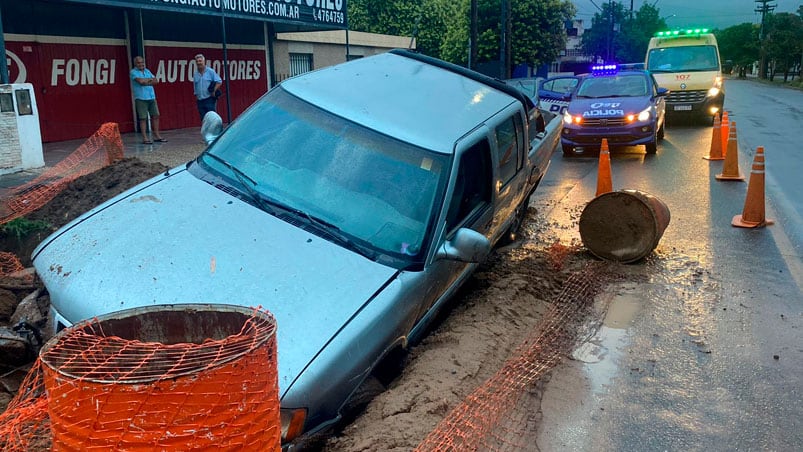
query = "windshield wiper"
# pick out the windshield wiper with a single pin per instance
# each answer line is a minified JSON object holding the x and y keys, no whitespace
{"x":253,"y":195}
{"x":326,"y":227}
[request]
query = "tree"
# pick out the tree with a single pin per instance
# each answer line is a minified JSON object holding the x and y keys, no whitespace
{"x":739,"y":43}
{"x":632,"y":42}
{"x":614,"y":36}
{"x":537,"y":33}
{"x":783,"y":42}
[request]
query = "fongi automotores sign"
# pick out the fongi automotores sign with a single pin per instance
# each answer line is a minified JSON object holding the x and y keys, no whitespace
{"x":323,"y":13}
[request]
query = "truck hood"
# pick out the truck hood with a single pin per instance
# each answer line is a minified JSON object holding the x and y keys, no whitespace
{"x":608,"y":107}
{"x":177,"y":239}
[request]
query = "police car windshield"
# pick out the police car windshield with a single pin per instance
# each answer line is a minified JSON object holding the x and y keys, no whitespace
{"x":620,"y":85}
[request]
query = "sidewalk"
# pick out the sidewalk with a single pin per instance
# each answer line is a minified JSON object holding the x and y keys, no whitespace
{"x":182,"y":145}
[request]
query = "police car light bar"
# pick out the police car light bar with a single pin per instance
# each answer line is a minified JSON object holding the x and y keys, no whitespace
{"x":683,"y":32}
{"x":604,"y":69}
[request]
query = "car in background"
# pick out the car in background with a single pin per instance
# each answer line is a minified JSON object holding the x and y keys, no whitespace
{"x":351,"y":215}
{"x":626,"y":107}
{"x":548,"y":94}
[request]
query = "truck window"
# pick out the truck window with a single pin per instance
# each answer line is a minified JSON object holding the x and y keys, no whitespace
{"x":508,"y":141}
{"x":472,"y":188}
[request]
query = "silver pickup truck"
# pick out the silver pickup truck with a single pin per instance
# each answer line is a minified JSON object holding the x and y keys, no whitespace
{"x":351,"y":202}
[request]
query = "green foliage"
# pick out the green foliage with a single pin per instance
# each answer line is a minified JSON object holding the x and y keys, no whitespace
{"x":21,"y":228}
{"x":739,"y":43}
{"x":616,"y":36}
{"x":784,"y":40}
{"x":441,"y":27}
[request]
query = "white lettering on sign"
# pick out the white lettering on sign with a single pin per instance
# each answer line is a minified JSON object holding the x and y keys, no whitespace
{"x":172,"y":71}
{"x":321,"y":10}
{"x":609,"y":112}
{"x":83,"y":72}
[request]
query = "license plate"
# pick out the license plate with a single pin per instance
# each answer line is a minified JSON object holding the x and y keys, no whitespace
{"x":682,"y":107}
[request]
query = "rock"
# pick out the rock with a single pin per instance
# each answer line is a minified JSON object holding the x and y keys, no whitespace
{"x":30,"y":310}
{"x":13,"y":348}
{"x":8,"y":303}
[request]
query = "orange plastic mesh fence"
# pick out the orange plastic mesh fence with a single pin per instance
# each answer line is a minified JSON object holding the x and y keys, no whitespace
{"x":105,"y":392}
{"x":86,"y":159}
{"x":488,"y":418}
{"x":9,"y":263}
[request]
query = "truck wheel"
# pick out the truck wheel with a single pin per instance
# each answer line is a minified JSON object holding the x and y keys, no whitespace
{"x":661,"y":131}
{"x":512,"y":233}
{"x":652,"y":146}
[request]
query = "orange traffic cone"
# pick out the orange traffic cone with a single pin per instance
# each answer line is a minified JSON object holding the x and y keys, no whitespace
{"x":715,"y":153}
{"x":730,"y":170}
{"x":725,"y":130}
{"x":753,"y":214}
{"x":604,"y":182}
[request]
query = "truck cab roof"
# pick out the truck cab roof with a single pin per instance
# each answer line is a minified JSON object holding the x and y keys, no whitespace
{"x":400,"y":82}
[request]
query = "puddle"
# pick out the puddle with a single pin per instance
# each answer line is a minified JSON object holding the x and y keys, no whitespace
{"x":601,"y":353}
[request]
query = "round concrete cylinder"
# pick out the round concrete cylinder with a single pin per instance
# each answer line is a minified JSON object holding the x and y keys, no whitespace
{"x":623,"y":226}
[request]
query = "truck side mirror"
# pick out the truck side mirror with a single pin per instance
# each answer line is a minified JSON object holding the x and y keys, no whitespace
{"x":467,"y":245}
{"x":211,"y":127}
{"x":662,"y":91}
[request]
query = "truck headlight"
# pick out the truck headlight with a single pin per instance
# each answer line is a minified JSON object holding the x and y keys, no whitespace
{"x":644,"y":115}
{"x":713,"y":92}
{"x":292,"y":423}
{"x":569,"y":119}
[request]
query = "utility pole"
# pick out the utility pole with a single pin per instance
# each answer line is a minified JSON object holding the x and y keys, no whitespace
{"x":472,"y":40}
{"x":504,"y":66}
{"x":764,"y":7}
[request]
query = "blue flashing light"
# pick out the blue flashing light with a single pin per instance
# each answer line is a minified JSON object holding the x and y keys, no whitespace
{"x":604,"y":69}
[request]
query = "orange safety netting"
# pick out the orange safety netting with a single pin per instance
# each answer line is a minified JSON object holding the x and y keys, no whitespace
{"x":487,"y":419}
{"x":212,"y":382}
{"x":99,"y":150}
{"x":9,"y":263}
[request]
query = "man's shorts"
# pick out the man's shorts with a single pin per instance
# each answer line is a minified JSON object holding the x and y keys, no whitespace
{"x":145,"y":108}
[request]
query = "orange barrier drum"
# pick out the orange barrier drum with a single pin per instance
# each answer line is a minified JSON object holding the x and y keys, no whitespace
{"x":623,"y":226}
{"x":178,"y":377}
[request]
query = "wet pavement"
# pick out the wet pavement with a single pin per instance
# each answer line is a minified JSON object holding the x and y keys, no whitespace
{"x":707,"y":352}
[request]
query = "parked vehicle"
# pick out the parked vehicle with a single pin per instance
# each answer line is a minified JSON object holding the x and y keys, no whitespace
{"x":351,"y":202}
{"x":625,"y":107}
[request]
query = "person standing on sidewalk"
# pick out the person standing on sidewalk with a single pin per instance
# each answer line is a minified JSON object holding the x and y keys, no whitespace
{"x":142,"y":81}
{"x":206,"y":86}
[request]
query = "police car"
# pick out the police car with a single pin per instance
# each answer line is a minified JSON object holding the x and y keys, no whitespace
{"x":627,"y":107}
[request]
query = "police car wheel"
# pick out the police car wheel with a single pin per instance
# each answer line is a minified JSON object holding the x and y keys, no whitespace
{"x":652,"y":146}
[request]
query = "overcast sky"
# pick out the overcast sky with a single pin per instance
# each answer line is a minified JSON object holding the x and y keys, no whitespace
{"x":694,"y":13}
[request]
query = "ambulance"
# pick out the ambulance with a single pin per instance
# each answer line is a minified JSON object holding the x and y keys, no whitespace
{"x":687,"y":63}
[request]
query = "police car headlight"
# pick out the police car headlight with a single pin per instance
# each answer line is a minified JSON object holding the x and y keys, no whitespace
{"x":713,"y":92}
{"x":644,"y":115}
{"x":567,"y":118}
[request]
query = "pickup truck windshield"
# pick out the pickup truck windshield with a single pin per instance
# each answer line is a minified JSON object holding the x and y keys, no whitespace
{"x":379,"y":191}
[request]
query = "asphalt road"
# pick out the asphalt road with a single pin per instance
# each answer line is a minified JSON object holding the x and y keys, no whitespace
{"x":706,"y":352}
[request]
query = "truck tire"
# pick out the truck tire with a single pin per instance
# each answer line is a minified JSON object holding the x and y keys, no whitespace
{"x":652,"y":146}
{"x":512,"y":233}
{"x":661,"y":131}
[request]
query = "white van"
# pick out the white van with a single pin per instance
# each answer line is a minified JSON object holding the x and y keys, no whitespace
{"x":687,"y":63}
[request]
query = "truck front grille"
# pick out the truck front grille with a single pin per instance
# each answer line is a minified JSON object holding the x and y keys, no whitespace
{"x":603,"y":122}
{"x":686,"y":97}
